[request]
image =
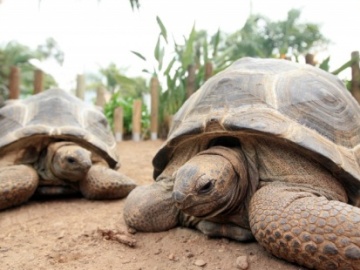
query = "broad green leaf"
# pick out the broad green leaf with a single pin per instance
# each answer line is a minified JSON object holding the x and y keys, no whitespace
{"x":139,"y":55}
{"x":170,"y":65}
{"x":325,"y":64}
{"x":187,"y":57}
{"x":146,"y":71}
{"x":121,"y":79}
{"x":157,"y":49}
{"x":216,"y":42}
{"x":162,"y":28}
{"x":205,"y":51}
{"x":161,"y":58}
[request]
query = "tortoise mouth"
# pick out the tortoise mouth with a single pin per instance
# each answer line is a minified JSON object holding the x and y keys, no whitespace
{"x":196,"y":209}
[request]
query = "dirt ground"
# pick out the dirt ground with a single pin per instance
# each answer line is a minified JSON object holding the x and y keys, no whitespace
{"x":75,"y":233}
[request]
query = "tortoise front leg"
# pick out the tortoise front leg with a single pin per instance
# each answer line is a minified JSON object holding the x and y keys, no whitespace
{"x":17,"y":184}
{"x":307,"y":229}
{"x":102,"y":182}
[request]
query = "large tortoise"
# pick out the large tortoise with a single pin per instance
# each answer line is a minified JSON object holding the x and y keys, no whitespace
{"x":267,"y":149}
{"x":54,"y":143}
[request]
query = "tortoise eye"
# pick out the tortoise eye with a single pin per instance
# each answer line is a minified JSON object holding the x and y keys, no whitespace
{"x":205,"y":188}
{"x":71,"y":160}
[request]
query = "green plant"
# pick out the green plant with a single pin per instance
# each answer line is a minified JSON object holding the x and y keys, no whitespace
{"x":196,"y":50}
{"x":127,"y":104}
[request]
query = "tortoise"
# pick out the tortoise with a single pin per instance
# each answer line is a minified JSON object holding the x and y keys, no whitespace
{"x":269,"y":150}
{"x":53,"y":143}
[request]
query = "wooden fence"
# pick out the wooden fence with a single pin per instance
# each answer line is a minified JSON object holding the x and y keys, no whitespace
{"x":14,"y":87}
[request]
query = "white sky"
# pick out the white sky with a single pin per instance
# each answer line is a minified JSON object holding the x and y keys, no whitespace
{"x":92,"y":33}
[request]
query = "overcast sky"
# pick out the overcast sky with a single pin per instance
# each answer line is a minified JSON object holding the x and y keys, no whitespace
{"x":93,"y":34}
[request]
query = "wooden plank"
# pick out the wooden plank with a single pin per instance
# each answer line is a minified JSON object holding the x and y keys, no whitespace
{"x":119,"y":124}
{"x":355,"y":76}
{"x":38,"y":81}
{"x":310,"y":59}
{"x":100,"y":96}
{"x":190,"y":81}
{"x":136,"y":120}
{"x":154,"y":120}
{"x":14,"y":83}
{"x":80,"y":86}
{"x":208,"y":70}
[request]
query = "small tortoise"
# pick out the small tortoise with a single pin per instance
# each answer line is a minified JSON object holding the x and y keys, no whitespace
{"x":54,"y":143}
{"x":267,"y":149}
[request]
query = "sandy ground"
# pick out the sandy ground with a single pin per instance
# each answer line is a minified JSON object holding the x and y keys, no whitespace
{"x":75,"y":233}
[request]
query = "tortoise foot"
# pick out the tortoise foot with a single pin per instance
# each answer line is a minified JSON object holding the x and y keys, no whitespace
{"x":17,"y":184}
{"x":151,"y":208}
{"x":104,"y":183}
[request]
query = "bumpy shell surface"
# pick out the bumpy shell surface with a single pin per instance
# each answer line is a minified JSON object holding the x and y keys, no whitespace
{"x":300,"y":104}
{"x":56,"y":115}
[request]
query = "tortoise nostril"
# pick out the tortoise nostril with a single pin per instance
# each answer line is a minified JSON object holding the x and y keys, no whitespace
{"x":178,"y":196}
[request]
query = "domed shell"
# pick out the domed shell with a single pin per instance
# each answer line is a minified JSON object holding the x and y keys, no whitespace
{"x":56,"y":115}
{"x":303,"y":105}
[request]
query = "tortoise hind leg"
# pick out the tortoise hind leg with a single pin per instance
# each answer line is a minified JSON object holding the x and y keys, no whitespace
{"x":104,"y":183}
{"x":307,"y":229}
{"x":17,"y":184}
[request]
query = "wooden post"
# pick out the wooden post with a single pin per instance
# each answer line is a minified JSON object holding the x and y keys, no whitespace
{"x":100,"y":97}
{"x":355,"y":74}
{"x":38,"y":81}
{"x":190,"y":81}
{"x":118,"y":124}
{"x":80,"y":86}
{"x":136,"y":120}
{"x":208,"y":70}
{"x":310,"y":59}
{"x":14,"y":83}
{"x":154,"y":90}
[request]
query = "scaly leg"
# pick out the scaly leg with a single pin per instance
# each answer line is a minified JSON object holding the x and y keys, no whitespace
{"x":104,"y":183}
{"x":304,"y":228}
{"x":17,"y":184}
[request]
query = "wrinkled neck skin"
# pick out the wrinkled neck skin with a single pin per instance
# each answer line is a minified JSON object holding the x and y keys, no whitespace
{"x":247,"y":179}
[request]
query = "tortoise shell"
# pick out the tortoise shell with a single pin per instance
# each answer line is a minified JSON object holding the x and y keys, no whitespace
{"x":302,"y":105}
{"x":55,"y":115}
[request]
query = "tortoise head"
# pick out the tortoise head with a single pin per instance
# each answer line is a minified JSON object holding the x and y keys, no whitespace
{"x":71,"y":162}
{"x":211,"y":183}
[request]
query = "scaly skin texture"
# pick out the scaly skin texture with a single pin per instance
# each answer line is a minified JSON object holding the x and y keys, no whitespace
{"x":17,"y":185}
{"x":301,"y":227}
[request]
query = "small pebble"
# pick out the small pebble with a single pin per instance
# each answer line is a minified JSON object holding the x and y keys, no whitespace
{"x":172,"y":257}
{"x":131,"y":230}
{"x":189,"y":254}
{"x":200,"y":263}
{"x":242,"y":262}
